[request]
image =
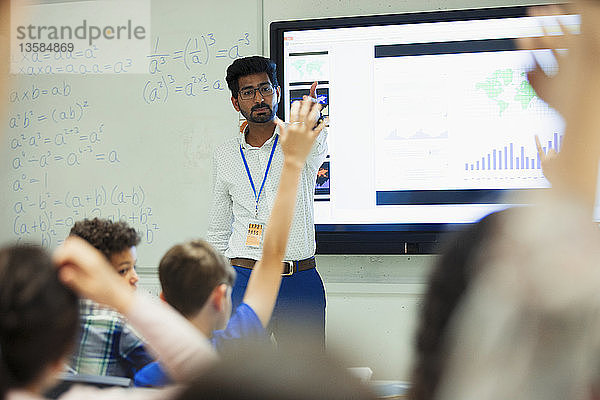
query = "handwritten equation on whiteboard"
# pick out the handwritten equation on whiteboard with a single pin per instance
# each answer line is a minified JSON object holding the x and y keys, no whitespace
{"x":51,"y":141}
{"x":81,"y":62}
{"x":183,"y":72}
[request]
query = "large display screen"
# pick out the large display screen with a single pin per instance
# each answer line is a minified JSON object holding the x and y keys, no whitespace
{"x":431,"y":120}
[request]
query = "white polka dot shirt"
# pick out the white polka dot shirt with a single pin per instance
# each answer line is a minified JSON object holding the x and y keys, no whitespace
{"x":234,"y":204}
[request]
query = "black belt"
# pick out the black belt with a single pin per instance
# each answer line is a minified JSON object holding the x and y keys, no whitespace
{"x":289,"y":267}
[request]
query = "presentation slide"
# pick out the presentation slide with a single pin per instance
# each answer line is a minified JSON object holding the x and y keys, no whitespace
{"x":430,"y":122}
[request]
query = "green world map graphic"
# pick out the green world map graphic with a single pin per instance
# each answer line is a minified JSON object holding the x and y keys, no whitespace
{"x":308,"y":68}
{"x":506,"y":87}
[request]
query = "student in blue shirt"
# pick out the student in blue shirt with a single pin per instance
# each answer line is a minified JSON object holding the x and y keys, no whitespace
{"x":197,"y":280}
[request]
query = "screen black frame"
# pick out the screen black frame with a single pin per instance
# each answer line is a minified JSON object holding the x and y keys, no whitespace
{"x":415,"y":238}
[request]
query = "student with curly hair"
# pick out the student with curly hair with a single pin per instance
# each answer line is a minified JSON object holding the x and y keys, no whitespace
{"x":116,"y":240}
{"x":108,"y":345}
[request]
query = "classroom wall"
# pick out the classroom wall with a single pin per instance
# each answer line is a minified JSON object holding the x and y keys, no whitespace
{"x":372,"y":307}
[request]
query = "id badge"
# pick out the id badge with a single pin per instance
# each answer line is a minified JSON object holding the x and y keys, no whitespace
{"x":254,"y":234}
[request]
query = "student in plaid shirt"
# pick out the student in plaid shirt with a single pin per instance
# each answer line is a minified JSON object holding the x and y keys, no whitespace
{"x":108,"y":345}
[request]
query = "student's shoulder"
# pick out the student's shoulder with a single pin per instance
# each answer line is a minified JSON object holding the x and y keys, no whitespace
{"x":97,"y":317}
{"x":245,"y":315}
{"x":93,"y":310}
{"x":243,"y":326}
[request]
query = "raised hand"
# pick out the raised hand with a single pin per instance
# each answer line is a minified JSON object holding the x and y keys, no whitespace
{"x":296,"y":139}
{"x":574,"y":91}
{"x":299,"y":135}
{"x":556,"y":90}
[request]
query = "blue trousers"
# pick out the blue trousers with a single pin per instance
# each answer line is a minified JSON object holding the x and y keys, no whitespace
{"x":299,"y":312}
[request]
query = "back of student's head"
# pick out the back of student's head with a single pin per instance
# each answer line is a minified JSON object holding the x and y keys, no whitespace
{"x":107,"y":236}
{"x":249,"y":66}
{"x":38,"y":316}
{"x":189,"y":272}
{"x":260,"y":373}
{"x":529,"y":324}
{"x":454,"y":271}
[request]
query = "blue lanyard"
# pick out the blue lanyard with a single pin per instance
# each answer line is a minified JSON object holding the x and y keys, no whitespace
{"x":257,"y":197}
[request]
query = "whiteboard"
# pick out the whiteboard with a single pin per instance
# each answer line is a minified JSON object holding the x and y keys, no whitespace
{"x":128,"y":137}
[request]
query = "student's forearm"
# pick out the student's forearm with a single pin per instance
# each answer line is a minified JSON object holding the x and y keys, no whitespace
{"x":119,"y":297}
{"x":581,"y":149}
{"x":296,"y":142}
{"x":278,"y":227}
{"x":263,"y":285}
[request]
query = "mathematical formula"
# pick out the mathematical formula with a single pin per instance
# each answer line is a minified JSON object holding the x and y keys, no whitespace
{"x":50,"y":139}
{"x":81,"y":62}
{"x":182,"y":72}
{"x":48,"y":217}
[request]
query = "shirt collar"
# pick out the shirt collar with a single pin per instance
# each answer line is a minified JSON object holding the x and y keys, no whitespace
{"x":270,"y":140}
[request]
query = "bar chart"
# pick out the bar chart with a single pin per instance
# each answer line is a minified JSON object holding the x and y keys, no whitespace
{"x":512,"y":157}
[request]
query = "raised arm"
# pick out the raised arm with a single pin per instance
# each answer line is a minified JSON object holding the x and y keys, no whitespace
{"x":182,"y":348}
{"x":575,"y":93}
{"x":296,"y":142}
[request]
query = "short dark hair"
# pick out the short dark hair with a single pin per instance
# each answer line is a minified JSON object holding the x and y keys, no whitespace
{"x":107,"y":236}
{"x":39,"y":316}
{"x":453,"y":273}
{"x":189,"y":272}
{"x":248,"y":66}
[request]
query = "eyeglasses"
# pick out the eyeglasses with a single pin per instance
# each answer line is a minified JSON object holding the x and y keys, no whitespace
{"x":249,"y":93}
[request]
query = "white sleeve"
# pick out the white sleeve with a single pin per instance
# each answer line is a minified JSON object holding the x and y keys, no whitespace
{"x":318,"y":152}
{"x":221,"y":214}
